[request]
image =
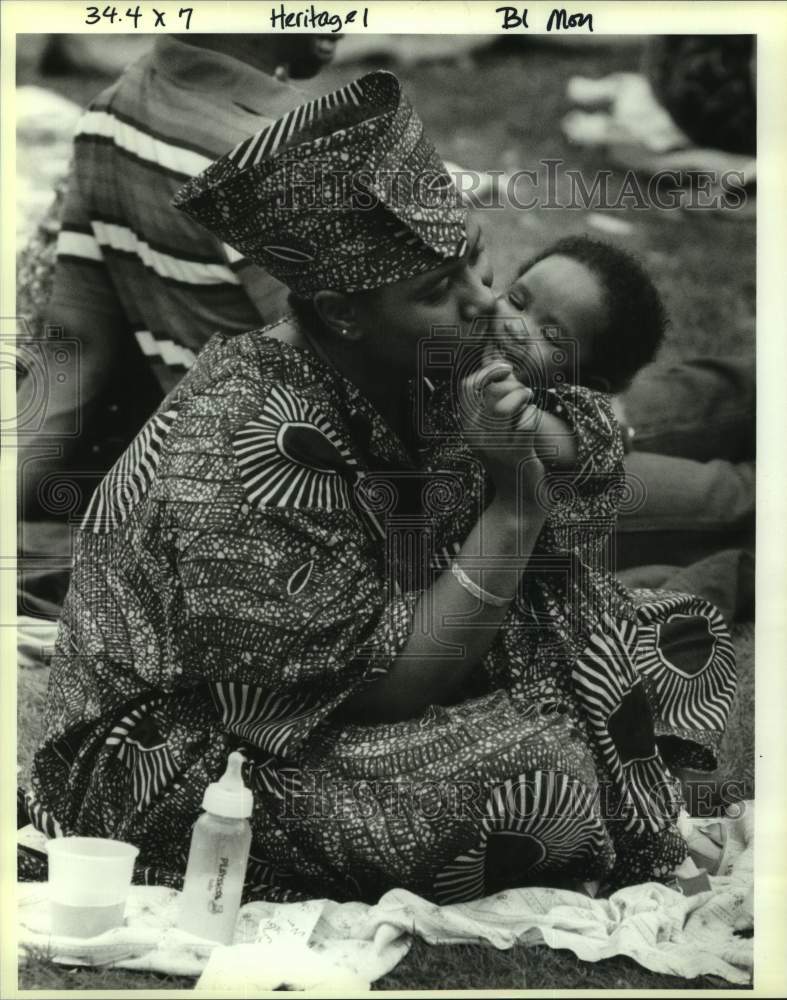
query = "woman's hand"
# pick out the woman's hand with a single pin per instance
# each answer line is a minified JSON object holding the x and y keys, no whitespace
{"x":501,"y":421}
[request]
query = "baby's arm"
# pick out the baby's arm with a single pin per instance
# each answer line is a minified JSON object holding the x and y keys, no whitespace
{"x":573,"y":427}
{"x":553,"y":436}
{"x":579,"y":431}
{"x":554,"y":441}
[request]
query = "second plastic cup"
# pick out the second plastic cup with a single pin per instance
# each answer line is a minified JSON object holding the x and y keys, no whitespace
{"x":89,"y":880}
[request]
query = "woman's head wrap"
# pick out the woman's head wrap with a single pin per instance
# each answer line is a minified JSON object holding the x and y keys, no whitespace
{"x":345,"y":192}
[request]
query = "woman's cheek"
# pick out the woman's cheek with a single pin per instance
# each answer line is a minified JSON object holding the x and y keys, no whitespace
{"x":445,"y":313}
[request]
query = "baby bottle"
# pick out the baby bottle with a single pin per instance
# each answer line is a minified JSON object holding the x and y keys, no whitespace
{"x":217,"y":859}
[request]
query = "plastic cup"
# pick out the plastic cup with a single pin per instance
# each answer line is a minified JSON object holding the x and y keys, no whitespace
{"x":89,"y":880}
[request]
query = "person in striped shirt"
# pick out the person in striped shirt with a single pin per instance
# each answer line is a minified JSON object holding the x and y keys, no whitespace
{"x":138,"y":287}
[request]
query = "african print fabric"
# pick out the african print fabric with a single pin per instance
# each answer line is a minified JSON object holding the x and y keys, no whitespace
{"x":257,"y":556}
{"x":344,"y":192}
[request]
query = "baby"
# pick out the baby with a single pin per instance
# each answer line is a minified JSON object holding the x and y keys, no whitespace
{"x":592,"y":316}
{"x":585,"y":313}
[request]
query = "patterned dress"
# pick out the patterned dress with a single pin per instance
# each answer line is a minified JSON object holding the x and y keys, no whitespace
{"x":257,"y":556}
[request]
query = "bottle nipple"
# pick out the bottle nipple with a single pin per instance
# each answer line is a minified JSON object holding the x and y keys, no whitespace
{"x":232,"y":779}
{"x":229,"y":796}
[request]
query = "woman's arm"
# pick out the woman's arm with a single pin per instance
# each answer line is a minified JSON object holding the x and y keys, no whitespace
{"x":428,"y":671}
{"x":453,"y":629}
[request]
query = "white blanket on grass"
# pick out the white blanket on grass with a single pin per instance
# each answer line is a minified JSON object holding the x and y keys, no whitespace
{"x":347,"y":946}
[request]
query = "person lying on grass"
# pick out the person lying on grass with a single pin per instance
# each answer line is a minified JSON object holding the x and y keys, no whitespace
{"x":588,"y":312}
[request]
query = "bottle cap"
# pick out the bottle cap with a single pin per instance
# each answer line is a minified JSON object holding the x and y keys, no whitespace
{"x":229,"y":796}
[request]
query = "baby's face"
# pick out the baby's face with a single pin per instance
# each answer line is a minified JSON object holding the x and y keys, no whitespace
{"x":558,"y":299}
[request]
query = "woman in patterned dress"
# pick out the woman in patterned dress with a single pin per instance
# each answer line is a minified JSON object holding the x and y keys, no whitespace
{"x":388,"y":590}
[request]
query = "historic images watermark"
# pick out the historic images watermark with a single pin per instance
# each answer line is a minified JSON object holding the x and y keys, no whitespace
{"x":554,"y":186}
{"x":550,"y":185}
{"x":320,"y":795}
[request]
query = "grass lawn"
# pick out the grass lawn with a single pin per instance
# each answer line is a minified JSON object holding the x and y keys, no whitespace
{"x":448,"y":967}
{"x":502,"y":110}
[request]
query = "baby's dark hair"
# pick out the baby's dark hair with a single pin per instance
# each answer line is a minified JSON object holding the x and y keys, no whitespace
{"x":636,"y":318}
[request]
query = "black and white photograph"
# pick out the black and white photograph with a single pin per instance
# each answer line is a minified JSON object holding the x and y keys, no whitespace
{"x":381,"y":408}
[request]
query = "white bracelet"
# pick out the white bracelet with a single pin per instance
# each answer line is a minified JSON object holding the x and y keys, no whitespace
{"x":472,"y":588}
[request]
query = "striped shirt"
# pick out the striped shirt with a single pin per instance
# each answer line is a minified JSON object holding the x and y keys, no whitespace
{"x":127,"y":262}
